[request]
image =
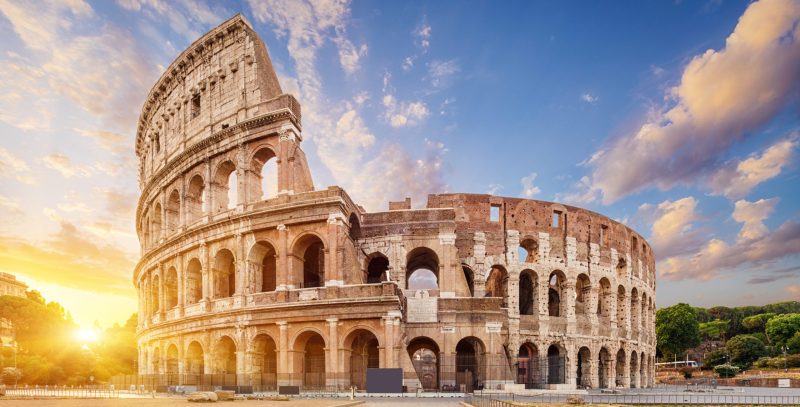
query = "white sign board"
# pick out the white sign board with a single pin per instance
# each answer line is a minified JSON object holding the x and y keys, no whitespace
{"x":784,"y":383}
{"x":448,"y":329}
{"x":422,"y":308}
{"x":494,"y":327}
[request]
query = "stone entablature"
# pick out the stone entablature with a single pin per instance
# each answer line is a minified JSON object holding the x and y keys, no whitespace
{"x":302,"y":286}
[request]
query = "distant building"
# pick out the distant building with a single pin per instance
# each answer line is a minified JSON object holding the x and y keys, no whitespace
{"x":9,"y":285}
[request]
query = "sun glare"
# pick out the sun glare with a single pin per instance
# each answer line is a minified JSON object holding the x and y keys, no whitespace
{"x":87,"y":335}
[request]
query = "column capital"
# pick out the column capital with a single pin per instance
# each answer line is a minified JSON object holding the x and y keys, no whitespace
{"x":332,"y":321}
{"x":283,"y":325}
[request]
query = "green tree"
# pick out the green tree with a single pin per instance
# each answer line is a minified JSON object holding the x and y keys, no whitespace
{"x":782,"y":327}
{"x":757,"y":323}
{"x":794,"y":343}
{"x":744,"y":350}
{"x":714,"y":330}
{"x":676,"y":329}
{"x":715,"y":358}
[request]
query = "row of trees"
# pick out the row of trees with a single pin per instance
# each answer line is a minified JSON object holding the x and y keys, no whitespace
{"x":744,"y":336}
{"x":48,"y":352}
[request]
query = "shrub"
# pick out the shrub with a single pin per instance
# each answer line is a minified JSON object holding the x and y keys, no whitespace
{"x":687,"y":372}
{"x":726,"y":370}
{"x":762,"y":362}
{"x":744,"y":350}
{"x":714,"y":358}
{"x":793,"y":360}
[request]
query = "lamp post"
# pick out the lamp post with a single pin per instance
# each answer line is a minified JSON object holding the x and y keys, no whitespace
{"x":785,"y":365}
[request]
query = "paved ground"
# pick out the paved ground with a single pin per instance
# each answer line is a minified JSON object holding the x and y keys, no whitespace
{"x":165,"y":403}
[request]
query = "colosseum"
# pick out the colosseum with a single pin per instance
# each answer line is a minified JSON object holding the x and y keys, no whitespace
{"x":251,"y":276}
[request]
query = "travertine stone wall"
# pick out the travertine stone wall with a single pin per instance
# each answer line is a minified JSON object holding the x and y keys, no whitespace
{"x":305,"y":287}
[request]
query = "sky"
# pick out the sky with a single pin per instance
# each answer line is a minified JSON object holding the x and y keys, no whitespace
{"x":678,"y":118}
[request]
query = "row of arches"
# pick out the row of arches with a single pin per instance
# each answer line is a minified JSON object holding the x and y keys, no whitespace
{"x":216,"y":193}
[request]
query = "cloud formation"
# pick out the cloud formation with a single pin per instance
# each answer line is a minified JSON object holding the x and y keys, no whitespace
{"x":65,"y":166}
{"x":14,"y":167}
{"x":723,"y":95}
{"x":672,"y":232}
{"x":528,"y":189}
{"x":737,"y":178}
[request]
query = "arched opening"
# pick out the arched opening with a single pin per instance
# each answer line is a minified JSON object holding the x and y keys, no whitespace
{"x":173,"y":211}
{"x":556,"y":365}
{"x":194,"y":281}
{"x":603,"y":368}
{"x":355,"y":227}
{"x":194,"y":359}
{"x":377,"y":268}
{"x":311,"y":251}
{"x":172,"y":365}
{"x":604,"y":298}
{"x":469,"y":276}
{"x":642,"y":371}
{"x":634,"y":370}
{"x":155,"y":362}
{"x":556,"y":292}
{"x":310,"y":358}
{"x":225,"y":186}
{"x":263,"y":267}
{"x":233,"y":190}
{"x":583,"y":375}
{"x":583,"y":290}
{"x":265,"y":363}
{"x":528,"y":250}
{"x":171,"y":288}
{"x":224,"y":274}
{"x":154,"y":295}
{"x":528,"y":367}
{"x":266,"y":168}
{"x":528,"y":288}
{"x":145,"y":229}
{"x":497,"y":284}
{"x":422,"y":269}
{"x":157,"y":223}
{"x":424,"y":353}
{"x":195,"y":199}
{"x":469,"y":364}
{"x":622,"y":269}
{"x":643,"y":314}
{"x":621,"y":368}
{"x":621,"y":302}
{"x":635,"y":311}
{"x":225,"y":361}
{"x":362,"y":346}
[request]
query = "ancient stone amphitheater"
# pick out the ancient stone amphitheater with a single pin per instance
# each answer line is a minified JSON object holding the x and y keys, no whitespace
{"x":251,"y":276}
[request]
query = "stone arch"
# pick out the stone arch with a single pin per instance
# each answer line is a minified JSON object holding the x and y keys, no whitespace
{"x":556,"y":364}
{"x":634,"y":365}
{"x":309,"y":256}
{"x":171,"y":288}
{"x":377,"y":268}
{"x":470,"y":366}
{"x":497,"y":284}
{"x":422,"y":269}
{"x":528,"y":367}
{"x":360,"y":353}
{"x":469,"y":276}
{"x":621,"y":317}
{"x":156,"y":225}
{"x":195,"y":359}
{"x":155,"y":300}
{"x":225,"y":359}
{"x":225,"y":186}
{"x":528,"y":293}
{"x":195,"y":199}
{"x":355,"y":227}
{"x":556,"y":294}
{"x":604,"y":368}
{"x":621,"y":368}
{"x":424,"y":353}
{"x":604,"y":298}
{"x":528,"y":250}
{"x":224,"y":274}
{"x":264,"y":181}
{"x":265,"y":362}
{"x":622,"y":268}
{"x":583,"y":373}
{"x":263,"y":264}
{"x":309,"y":353}
{"x":194,"y":281}
{"x":583,"y":290}
{"x":172,"y":364}
{"x":155,"y":361}
{"x":173,"y":212}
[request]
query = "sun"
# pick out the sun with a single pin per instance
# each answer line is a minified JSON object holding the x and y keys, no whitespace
{"x":87,"y":335}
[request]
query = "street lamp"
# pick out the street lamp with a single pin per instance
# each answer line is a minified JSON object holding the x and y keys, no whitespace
{"x":785,"y":366}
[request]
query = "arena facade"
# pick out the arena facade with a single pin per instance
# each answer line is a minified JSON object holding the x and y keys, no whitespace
{"x":252,"y":277}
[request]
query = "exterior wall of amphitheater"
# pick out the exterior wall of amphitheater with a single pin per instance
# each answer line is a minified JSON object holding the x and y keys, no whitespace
{"x":305,"y":287}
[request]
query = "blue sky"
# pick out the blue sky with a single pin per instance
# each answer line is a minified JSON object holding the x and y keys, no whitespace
{"x":679,"y":118}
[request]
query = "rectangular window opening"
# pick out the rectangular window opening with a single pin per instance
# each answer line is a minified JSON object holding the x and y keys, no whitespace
{"x":556,"y":219}
{"x":603,"y":235}
{"x":494,"y":213}
{"x":195,"y":106}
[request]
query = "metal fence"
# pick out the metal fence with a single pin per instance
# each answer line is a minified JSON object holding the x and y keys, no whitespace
{"x":668,"y":398}
{"x":105,"y":392}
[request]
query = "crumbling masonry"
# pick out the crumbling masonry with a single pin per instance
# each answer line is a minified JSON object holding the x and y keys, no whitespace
{"x":250,"y":276}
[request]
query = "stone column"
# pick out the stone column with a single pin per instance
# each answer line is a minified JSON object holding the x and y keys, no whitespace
{"x":388,"y":341}
{"x":207,"y":194}
{"x":569,"y":305}
{"x":181,"y":271}
{"x":242,"y":168}
{"x":612,"y":312}
{"x":594,"y":369}
{"x":241,"y":352}
{"x":593,"y":301}
{"x":332,"y":275}
{"x":287,"y":140}
{"x":206,"y":271}
{"x":612,"y":372}
{"x":332,"y":374}
{"x":284,"y":278}
{"x":284,"y":373}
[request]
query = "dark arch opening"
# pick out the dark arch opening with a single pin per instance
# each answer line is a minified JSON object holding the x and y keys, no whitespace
{"x":528,"y":367}
{"x":377,"y":269}
{"x":424,"y":353}
{"x":556,"y":366}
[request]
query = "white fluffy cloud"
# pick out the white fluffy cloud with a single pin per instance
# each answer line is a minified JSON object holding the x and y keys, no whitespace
{"x":723,"y":96}
{"x":14,"y":167}
{"x":65,"y":166}
{"x":402,"y":114}
{"x":737,"y":178}
{"x":528,"y":189}
{"x":751,"y":215}
{"x":672,"y":232}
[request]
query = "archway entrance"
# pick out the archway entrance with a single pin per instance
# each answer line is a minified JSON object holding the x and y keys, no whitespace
{"x":634,"y":370}
{"x":469,"y":364}
{"x":265,"y":363}
{"x":528,"y":368}
{"x":583,"y":375}
{"x":620,"y":381}
{"x":425,"y":357}
{"x":363,"y":348}
{"x":603,"y":368}
{"x":310,"y":355}
{"x":172,"y":365}
{"x":225,"y":362}
{"x":556,"y":365}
